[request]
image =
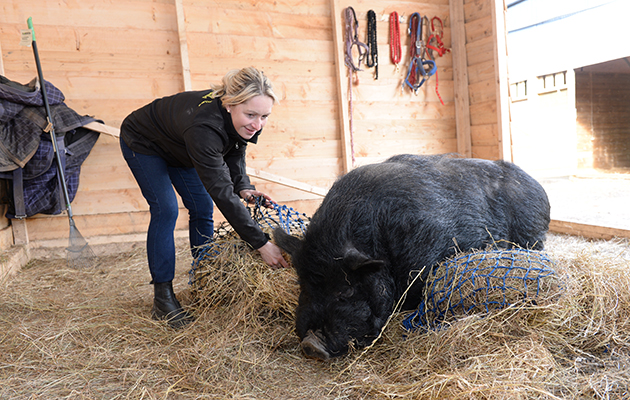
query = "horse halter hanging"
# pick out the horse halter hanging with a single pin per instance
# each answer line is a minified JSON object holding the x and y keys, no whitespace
{"x":436,"y":37}
{"x":418,"y":65}
{"x":352,"y":39}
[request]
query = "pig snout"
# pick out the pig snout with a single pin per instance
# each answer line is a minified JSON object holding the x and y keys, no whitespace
{"x":313,"y":346}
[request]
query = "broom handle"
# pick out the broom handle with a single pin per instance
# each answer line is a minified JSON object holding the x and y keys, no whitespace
{"x":50,"y":126}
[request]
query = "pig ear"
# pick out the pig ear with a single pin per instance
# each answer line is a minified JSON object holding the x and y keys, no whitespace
{"x":355,"y":259}
{"x":286,"y":242}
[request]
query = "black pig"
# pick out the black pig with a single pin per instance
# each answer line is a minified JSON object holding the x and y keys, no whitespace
{"x":381,"y":224}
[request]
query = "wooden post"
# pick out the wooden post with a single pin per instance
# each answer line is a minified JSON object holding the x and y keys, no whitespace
{"x":183,"y":44}
{"x":102,"y":128}
{"x":1,"y":62}
{"x":342,"y":85}
{"x":286,"y":182}
{"x":587,"y":231}
{"x":20,"y":232}
{"x":501,"y":73}
{"x":460,"y":78}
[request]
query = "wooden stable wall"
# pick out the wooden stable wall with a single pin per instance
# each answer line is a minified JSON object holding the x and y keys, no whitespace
{"x":388,"y":118}
{"x":292,"y":42}
{"x":603,"y":119}
{"x":110,"y":58}
{"x":486,"y":80}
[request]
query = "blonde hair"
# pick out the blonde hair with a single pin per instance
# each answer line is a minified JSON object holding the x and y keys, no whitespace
{"x":238,"y":86}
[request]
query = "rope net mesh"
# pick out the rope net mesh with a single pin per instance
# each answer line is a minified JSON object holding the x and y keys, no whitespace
{"x":279,"y":216}
{"x":227,"y":270}
{"x":479,"y":282}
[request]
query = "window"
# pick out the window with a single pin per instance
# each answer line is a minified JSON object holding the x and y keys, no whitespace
{"x":552,"y":82}
{"x":518,"y":91}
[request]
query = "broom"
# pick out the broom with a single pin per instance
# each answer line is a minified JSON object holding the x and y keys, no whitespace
{"x":79,"y":252}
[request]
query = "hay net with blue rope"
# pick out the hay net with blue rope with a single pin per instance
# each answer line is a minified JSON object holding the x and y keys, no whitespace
{"x":227,"y":266}
{"x":482,"y":281}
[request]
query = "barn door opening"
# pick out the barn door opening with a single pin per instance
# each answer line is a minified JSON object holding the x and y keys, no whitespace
{"x":603,"y":118}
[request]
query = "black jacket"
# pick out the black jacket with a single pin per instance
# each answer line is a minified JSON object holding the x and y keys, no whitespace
{"x":191,"y":129}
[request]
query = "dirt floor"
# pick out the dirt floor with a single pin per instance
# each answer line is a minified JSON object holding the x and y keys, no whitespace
{"x":591,"y":198}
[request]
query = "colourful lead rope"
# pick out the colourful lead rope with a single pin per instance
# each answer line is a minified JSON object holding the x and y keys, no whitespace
{"x":418,"y":65}
{"x":395,"y":52}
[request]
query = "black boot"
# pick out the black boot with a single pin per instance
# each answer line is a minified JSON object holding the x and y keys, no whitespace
{"x":166,"y":307}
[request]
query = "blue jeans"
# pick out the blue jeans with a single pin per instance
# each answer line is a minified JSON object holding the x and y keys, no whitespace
{"x":156,"y":181}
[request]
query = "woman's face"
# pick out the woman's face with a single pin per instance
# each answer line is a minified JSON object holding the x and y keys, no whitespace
{"x":251,"y":116}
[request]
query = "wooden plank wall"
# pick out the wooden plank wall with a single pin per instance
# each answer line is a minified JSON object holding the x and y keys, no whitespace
{"x":296,"y":44}
{"x":484,"y":66}
{"x":110,"y":58}
{"x":292,"y":42}
{"x":603,"y":120}
{"x":387,"y":119}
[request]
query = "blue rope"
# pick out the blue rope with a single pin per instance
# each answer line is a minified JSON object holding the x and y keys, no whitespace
{"x":279,"y":215}
{"x":209,"y":251}
{"x":418,"y":64}
{"x":282,"y":216}
{"x":472,"y":279}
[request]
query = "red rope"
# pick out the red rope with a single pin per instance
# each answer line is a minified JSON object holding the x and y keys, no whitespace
{"x":440,"y":48}
{"x":395,"y":51}
{"x":436,"y":88}
{"x":437,"y":37}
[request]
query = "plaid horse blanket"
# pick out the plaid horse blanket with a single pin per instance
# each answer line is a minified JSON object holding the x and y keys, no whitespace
{"x":24,"y":144}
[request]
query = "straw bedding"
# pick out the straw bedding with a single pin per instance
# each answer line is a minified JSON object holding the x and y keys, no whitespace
{"x":86,"y":334}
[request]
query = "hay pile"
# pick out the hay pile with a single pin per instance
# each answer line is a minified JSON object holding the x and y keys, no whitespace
{"x":86,"y":334}
{"x":577,"y":347}
{"x":232,"y":279}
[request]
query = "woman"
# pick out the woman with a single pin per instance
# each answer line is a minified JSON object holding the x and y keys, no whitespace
{"x":196,"y":142}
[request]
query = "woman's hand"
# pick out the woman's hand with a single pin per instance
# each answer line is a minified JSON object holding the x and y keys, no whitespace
{"x":272,"y":255}
{"x":250,"y":197}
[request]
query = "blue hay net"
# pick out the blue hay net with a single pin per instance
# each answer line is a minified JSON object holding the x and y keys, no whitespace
{"x":483,"y":281}
{"x":277,"y":216}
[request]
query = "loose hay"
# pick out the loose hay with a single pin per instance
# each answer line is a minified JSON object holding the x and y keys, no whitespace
{"x":87,"y":335}
{"x":228,"y":273}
